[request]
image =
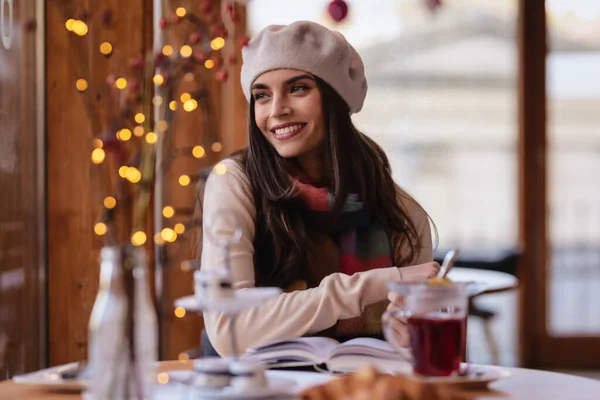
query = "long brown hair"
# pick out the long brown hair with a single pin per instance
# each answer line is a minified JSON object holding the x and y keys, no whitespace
{"x":353,"y":163}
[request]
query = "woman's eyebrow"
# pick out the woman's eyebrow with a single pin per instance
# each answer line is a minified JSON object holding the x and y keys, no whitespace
{"x":287,"y":82}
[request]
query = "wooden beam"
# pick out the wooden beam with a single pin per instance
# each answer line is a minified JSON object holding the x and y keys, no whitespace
{"x":532,"y":178}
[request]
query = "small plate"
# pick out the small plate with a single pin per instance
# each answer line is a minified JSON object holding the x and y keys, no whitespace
{"x":478,"y":377}
{"x":51,"y":378}
{"x":242,"y":300}
{"x":278,"y":387}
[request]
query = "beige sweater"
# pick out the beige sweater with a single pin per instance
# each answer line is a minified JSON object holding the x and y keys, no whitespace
{"x":298,"y":313}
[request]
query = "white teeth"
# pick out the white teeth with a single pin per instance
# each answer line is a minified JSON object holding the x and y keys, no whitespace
{"x":288,"y":129}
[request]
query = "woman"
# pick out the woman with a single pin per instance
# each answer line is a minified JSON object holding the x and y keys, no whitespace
{"x":320,"y":214}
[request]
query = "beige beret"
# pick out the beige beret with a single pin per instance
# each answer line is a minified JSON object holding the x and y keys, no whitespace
{"x":310,"y":47}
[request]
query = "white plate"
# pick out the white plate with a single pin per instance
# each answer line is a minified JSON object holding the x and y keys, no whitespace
{"x":281,"y":384}
{"x":242,"y":300}
{"x":51,"y":378}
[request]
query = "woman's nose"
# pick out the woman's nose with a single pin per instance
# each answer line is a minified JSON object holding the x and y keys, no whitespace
{"x":279,"y":107}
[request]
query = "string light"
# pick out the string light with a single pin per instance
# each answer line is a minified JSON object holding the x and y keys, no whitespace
{"x":123,"y":171}
{"x":180,"y":312}
{"x":217,"y":43}
{"x":139,"y":118}
{"x":106,"y":48}
{"x":158,"y":79}
{"x":179,"y":228}
{"x":157,"y":101}
{"x":138,"y":131}
{"x":167,"y":50}
{"x":100,"y":228}
{"x":124,"y":134}
{"x":173,"y":105}
{"x":158,"y":239}
{"x":220,"y":169}
{"x":168,"y":235}
{"x":81,"y":85}
{"x":121,"y":83}
{"x":138,"y":238}
{"x":185,"y":97}
{"x":168,"y":212}
{"x":209,"y":64}
{"x":216,"y":147}
{"x":98,"y":144}
{"x":162,"y":126}
{"x":79,"y":27}
{"x":180,"y":11}
{"x":110,"y":202}
{"x":185,"y":51}
{"x":183,"y":357}
{"x":198,"y":152}
{"x":184,"y":180}
{"x":69,"y":24}
{"x":190,"y":105}
{"x":133,"y":175}
{"x":162,"y":378}
{"x":98,"y":156}
{"x":151,"y":137}
{"x":189,"y":77}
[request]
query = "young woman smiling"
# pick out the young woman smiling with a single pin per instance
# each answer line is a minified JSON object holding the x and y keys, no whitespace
{"x":320,"y":214}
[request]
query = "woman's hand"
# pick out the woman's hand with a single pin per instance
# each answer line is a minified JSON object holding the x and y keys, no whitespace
{"x":397,"y":326}
{"x":421,"y":272}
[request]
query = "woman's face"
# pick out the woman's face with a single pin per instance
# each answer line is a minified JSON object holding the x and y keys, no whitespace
{"x":287,"y":110}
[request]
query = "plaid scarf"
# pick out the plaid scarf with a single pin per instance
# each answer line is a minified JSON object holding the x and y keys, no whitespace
{"x":363,"y":243}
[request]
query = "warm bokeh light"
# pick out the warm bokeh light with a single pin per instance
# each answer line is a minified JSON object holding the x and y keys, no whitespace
{"x":185,"y":51}
{"x":151,"y":137}
{"x":98,"y":156}
{"x":183,"y":357}
{"x":180,"y":11}
{"x":79,"y":27}
{"x":209,"y":64}
{"x":138,"y":131}
{"x":110,"y":202}
{"x":69,"y":24}
{"x":168,"y":235}
{"x":180,"y":312}
{"x":100,"y":228}
{"x":98,"y":144}
{"x":162,"y":378}
{"x":185,"y":97}
{"x":124,"y":134}
{"x":190,"y":105}
{"x":184,"y":180}
{"x":81,"y":85}
{"x":106,"y":48}
{"x":216,"y":147}
{"x":168,"y":212}
{"x":138,"y":238}
{"x":217,"y":43}
{"x":139,"y":118}
{"x":173,"y":105}
{"x":158,"y":79}
{"x":162,"y":126}
{"x":121,"y":83}
{"x":198,"y":152}
{"x":123,"y":171}
{"x":167,"y":50}
{"x":157,"y":101}
{"x":179,"y":228}
{"x":133,"y":175}
{"x":220,"y":169}
{"x":158,"y":239}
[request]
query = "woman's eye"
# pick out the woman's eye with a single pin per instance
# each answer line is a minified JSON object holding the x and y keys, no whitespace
{"x":298,"y":88}
{"x":259,"y":95}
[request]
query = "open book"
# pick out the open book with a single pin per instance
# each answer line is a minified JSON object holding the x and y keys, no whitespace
{"x":337,"y":357}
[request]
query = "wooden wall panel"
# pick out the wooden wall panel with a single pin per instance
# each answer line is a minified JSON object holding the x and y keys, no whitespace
{"x":73,"y":119}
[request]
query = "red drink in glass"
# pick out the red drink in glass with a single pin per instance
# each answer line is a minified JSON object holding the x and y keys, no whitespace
{"x":437,"y":344}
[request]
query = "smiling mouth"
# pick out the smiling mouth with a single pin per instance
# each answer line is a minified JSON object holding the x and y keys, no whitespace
{"x":288,"y":131}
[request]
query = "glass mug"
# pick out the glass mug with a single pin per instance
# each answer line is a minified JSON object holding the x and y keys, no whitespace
{"x":436,"y":318}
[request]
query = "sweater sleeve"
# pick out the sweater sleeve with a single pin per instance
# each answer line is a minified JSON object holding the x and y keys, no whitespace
{"x":289,"y":315}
